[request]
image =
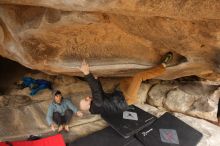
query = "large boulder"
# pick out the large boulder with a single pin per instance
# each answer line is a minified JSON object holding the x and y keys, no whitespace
{"x":199,"y":100}
{"x":176,"y":100}
{"x":118,"y":38}
{"x":157,"y":93}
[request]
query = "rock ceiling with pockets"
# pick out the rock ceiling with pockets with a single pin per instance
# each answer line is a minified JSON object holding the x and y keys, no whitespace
{"x":117,"y":37}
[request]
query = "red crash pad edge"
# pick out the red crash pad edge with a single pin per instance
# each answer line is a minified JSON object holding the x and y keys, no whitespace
{"x":55,"y":140}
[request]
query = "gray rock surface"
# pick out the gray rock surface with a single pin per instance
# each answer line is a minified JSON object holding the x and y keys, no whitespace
{"x":157,"y":93}
{"x":179,"y":101}
{"x":186,"y":99}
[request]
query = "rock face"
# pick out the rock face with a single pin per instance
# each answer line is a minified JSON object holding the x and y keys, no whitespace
{"x":117,"y":37}
{"x":192,"y":98}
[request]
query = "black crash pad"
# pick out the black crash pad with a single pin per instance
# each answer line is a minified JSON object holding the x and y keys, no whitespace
{"x":168,"y":130}
{"x":129,"y":122}
{"x":105,"y":137}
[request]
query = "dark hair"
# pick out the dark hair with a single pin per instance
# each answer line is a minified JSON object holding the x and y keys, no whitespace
{"x":57,"y":93}
{"x":115,"y":103}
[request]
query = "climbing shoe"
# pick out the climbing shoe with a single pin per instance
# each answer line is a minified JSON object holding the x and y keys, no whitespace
{"x":166,"y":59}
